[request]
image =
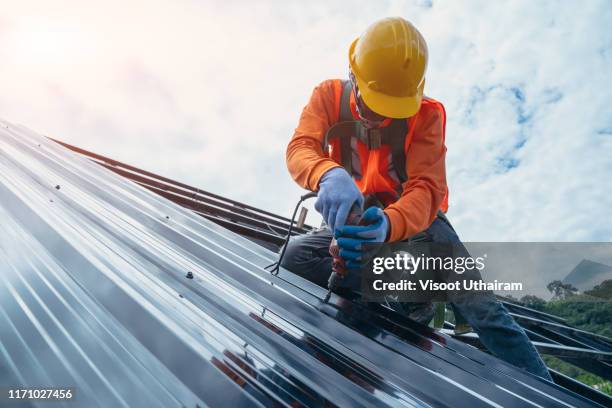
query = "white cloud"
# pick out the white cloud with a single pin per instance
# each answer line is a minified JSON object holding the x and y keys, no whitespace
{"x":209,"y":93}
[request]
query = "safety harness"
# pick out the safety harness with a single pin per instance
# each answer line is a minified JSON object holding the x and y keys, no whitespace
{"x":347,"y":128}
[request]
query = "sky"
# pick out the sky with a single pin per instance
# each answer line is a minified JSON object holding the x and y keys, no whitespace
{"x":209,"y":93}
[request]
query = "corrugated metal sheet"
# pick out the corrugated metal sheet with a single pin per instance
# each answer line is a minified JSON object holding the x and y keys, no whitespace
{"x":551,"y":335}
{"x":261,"y":226}
{"x":94,"y":294}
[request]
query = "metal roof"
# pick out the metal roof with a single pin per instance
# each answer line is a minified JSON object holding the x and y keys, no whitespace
{"x":551,"y":335}
{"x":95,"y":294}
{"x":261,"y":226}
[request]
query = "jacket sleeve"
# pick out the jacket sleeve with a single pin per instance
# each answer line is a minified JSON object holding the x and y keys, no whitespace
{"x":426,"y":187}
{"x":306,"y":160}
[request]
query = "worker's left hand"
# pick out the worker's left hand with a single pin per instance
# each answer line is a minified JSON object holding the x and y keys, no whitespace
{"x":351,"y":238}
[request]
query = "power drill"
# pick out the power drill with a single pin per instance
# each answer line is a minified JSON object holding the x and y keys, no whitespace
{"x":338,"y":265}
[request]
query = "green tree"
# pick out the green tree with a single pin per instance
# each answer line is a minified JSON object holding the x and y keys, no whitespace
{"x":603,"y":290}
{"x":533,"y":302}
{"x":584,"y":312}
{"x":561,"y":290}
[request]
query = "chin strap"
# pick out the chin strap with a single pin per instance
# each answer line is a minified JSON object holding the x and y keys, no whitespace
{"x":276,"y":265}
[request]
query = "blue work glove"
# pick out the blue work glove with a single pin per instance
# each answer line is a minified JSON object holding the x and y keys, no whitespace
{"x":337,"y":194}
{"x":351,"y":238}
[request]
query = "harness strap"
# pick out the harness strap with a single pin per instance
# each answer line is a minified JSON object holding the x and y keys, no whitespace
{"x":345,"y":102}
{"x":347,"y":127}
{"x":397,"y":135}
{"x":346,"y":153}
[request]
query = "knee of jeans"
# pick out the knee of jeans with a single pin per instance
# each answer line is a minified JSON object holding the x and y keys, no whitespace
{"x":291,"y":255}
{"x":485,"y":312}
{"x":440,"y":231}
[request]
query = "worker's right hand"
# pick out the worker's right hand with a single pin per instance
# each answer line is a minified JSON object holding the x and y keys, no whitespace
{"x":337,"y":194}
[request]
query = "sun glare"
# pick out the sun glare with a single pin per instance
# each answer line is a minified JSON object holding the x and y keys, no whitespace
{"x":41,"y":41}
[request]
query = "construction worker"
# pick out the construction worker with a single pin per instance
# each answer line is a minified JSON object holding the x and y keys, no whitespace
{"x":377,"y":138}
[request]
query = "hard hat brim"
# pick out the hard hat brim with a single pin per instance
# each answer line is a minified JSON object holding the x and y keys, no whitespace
{"x":396,"y":107}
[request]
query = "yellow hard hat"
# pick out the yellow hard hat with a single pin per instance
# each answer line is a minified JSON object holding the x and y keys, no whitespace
{"x":389,"y":62}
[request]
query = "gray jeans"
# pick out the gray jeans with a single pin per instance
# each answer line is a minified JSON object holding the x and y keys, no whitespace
{"x":308,"y":256}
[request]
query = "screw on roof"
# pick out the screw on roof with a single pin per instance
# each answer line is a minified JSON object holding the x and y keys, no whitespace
{"x":189,"y":275}
{"x":57,"y":187}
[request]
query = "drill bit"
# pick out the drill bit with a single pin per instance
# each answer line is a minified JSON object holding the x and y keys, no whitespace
{"x":331,"y":285}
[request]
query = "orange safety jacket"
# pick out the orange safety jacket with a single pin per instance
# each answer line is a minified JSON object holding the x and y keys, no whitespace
{"x":412,"y":195}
